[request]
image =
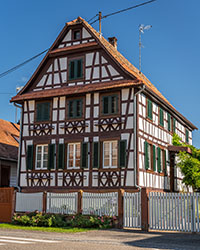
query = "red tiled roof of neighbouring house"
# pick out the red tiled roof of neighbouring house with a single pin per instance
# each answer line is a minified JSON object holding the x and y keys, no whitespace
{"x":9,"y":133}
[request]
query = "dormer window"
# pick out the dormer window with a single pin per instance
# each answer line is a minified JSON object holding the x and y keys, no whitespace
{"x":76,"y":34}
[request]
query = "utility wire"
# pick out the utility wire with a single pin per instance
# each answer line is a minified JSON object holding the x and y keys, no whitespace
{"x":117,"y":12}
{"x":32,"y":58}
{"x":22,"y":64}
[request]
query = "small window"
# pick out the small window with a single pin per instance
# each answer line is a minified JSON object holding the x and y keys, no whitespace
{"x":74,"y":155}
{"x":186,"y":136}
{"x":110,"y":150}
{"x":149,"y":109}
{"x":43,"y":111}
{"x":110,"y":105}
{"x":41,"y":157}
{"x":77,"y":34}
{"x":161,"y":117}
{"x":75,"y":108}
{"x":75,"y":69}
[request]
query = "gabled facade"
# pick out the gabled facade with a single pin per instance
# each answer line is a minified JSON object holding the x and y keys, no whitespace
{"x":91,"y":120}
{"x":9,"y":142}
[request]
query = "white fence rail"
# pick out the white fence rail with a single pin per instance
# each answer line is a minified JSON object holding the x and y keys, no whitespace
{"x":175,"y":211}
{"x":29,"y":202}
{"x":132,"y":210}
{"x":64,"y":203}
{"x":100,"y":203}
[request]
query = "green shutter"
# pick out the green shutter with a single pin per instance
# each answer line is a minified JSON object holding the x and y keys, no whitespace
{"x":174,"y":125}
{"x":154,"y":158}
{"x":96,"y":154}
{"x":79,"y":67}
{"x":161,"y":117}
{"x":165,"y":159}
{"x":51,"y":154}
{"x":61,"y":156}
{"x":46,"y":111}
{"x":159,"y":159}
{"x":122,"y":153}
{"x":169,"y":122}
{"x":29,"y":158}
{"x":146,"y":145}
{"x":84,"y":155}
{"x":149,"y":109}
{"x":39,"y":112}
{"x":106,"y":106}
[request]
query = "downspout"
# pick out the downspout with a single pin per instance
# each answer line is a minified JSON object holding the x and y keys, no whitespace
{"x":135,"y":132}
{"x":19,"y":150}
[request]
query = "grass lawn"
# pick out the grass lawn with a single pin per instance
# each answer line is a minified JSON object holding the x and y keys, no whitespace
{"x":45,"y":229}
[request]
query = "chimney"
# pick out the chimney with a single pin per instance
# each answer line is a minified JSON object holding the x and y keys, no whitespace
{"x":113,"y":41}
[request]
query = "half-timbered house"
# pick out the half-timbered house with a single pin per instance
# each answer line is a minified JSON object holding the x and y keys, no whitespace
{"x":91,"y":120}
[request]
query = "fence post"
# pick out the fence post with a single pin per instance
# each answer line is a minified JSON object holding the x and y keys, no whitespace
{"x":44,"y":202}
{"x":145,"y":209}
{"x":120,"y":208}
{"x":80,"y":197}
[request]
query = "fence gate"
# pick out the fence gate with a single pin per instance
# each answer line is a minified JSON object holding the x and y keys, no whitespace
{"x":174,"y":211}
{"x":132,"y":210}
{"x":6,"y":204}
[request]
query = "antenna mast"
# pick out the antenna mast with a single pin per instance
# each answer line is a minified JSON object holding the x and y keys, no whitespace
{"x":100,"y":17}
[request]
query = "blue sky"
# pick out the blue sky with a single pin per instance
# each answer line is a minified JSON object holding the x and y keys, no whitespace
{"x":170,"y":57}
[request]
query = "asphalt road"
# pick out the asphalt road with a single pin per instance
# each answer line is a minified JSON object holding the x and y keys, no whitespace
{"x":97,"y":240}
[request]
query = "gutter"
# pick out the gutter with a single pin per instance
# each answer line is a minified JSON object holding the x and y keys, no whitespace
{"x":19,"y":149}
{"x":135,"y":134}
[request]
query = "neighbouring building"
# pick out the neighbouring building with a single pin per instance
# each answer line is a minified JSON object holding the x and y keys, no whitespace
{"x":91,"y":120}
{"x":9,"y":142}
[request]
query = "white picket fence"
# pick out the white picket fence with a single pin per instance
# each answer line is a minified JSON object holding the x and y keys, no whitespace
{"x":29,"y":202}
{"x":132,"y":210}
{"x":174,"y":211}
{"x":100,"y":204}
{"x":62,"y":203}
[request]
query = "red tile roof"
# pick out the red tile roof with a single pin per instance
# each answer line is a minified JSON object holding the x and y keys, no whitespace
{"x":9,"y":133}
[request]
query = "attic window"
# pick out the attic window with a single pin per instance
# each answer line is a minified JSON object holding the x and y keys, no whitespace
{"x":77,"y":34}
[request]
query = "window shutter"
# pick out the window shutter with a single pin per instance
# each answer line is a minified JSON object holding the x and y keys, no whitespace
{"x":96,"y":154}
{"x":149,"y":109}
{"x":159,"y":159}
{"x":46,"y":111}
{"x":186,"y":136}
{"x":106,"y":105}
{"x":154,"y":158}
{"x":39,"y":112}
{"x":84,"y":155}
{"x":71,"y":70}
{"x":51,"y":154}
{"x":161,"y":117}
{"x":29,"y":158}
{"x":122,"y":153}
{"x":165,"y":163}
{"x":79,"y":68}
{"x":174,"y":125}
{"x":169,"y":122}
{"x":61,"y":156}
{"x":146,"y":145}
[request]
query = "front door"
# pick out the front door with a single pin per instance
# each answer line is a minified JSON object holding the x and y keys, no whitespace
{"x":5,"y":176}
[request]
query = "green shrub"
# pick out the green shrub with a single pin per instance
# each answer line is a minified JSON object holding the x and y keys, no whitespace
{"x":57,"y":220}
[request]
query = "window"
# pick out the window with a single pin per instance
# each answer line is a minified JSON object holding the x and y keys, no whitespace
{"x":110,"y":104}
{"x":77,"y":34}
{"x":75,"y":69}
{"x":110,"y":149}
{"x":75,"y":108}
{"x":74,"y":155}
{"x":41,"y":157}
{"x":149,"y":109}
{"x":169,"y":122}
{"x":186,"y":136}
{"x":42,"y":111}
{"x":150,"y":156}
{"x":161,"y":117}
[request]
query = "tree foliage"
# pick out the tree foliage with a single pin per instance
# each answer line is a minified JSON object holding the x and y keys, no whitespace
{"x":189,"y":164}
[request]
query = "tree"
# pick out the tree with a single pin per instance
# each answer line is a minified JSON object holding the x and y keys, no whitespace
{"x":189,"y":164}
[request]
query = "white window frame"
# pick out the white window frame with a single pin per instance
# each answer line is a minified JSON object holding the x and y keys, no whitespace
{"x":74,"y":155}
{"x":110,"y":154}
{"x":42,"y":156}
